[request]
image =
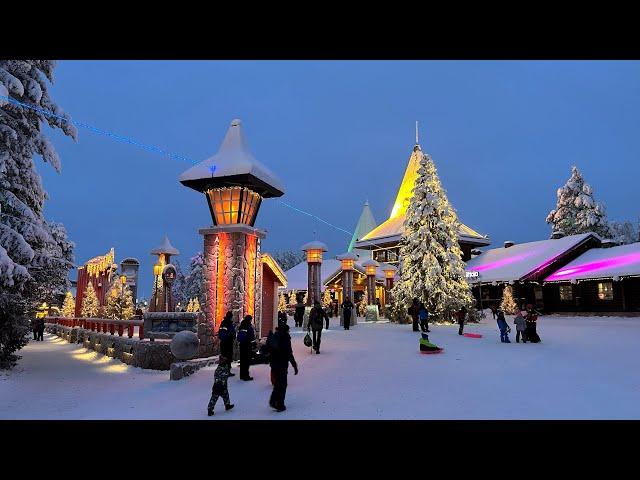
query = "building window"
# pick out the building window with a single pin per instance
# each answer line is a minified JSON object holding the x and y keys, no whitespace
{"x":605,"y":291}
{"x":566,"y":293}
{"x":379,"y":256}
{"x":392,"y":255}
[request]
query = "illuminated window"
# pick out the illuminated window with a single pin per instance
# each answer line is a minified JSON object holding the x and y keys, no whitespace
{"x":605,"y":291}
{"x":233,"y":205}
{"x":566,"y":293}
{"x":379,"y":256}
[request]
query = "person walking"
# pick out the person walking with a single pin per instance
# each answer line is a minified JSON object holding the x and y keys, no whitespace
{"x":227,"y":336}
{"x":316,"y":318}
{"x":41,"y":329}
{"x":531,"y":328}
{"x":504,"y":328}
{"x":280,"y":355}
{"x":327,"y":312}
{"x":246,"y":336}
{"x":423,"y":315}
{"x":347,"y":309}
{"x":413,"y":311}
{"x":298,"y":316}
{"x":521,"y":326}
{"x":34,"y":328}
{"x":220,"y":388}
{"x":462,"y":313}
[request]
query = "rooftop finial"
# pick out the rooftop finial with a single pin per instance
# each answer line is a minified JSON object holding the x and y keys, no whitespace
{"x":417,"y":137}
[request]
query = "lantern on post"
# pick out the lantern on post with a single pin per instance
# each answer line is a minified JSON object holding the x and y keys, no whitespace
{"x":370,"y":267}
{"x":389,"y":276}
{"x":164,"y":252}
{"x":314,"y":260}
{"x":157,"y":271}
{"x":234,"y":183}
{"x":347,"y":262}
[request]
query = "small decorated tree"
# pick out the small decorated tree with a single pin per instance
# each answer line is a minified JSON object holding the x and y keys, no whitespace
{"x":326,"y":297}
{"x":362,"y":306}
{"x":293,"y":297}
{"x":190,"y":305}
{"x":304,"y":300}
{"x":90,"y":304}
{"x":119,"y":303}
{"x":508,"y":304}
{"x":196,"y":305}
{"x":282,"y":303}
{"x":69,"y":306}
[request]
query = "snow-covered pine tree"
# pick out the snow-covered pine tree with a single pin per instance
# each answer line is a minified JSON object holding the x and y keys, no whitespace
{"x":282,"y":303}
{"x":623,"y":233}
{"x":119,"y":304}
{"x":432,"y":269}
{"x":178,"y":292}
{"x":292,"y":297}
{"x":90,"y":304}
{"x":326,"y":297}
{"x":28,"y":248}
{"x":194,"y":280}
{"x":576,"y":209}
{"x":508,"y":304}
{"x":69,"y":306}
{"x":288,"y":259}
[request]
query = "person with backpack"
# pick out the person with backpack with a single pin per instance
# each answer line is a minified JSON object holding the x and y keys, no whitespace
{"x":423,"y":315}
{"x":316,"y":318}
{"x":502,"y":325}
{"x":347,"y":308}
{"x":219,"y":388}
{"x":227,"y":335}
{"x":246,"y":336}
{"x":280,"y":355}
{"x":298,"y":316}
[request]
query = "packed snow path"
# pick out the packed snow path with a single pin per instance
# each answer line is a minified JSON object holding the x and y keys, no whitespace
{"x":585,"y":368}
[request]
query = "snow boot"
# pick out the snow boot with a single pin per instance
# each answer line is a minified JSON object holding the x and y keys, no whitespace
{"x":229,"y":407}
{"x":209,"y":412}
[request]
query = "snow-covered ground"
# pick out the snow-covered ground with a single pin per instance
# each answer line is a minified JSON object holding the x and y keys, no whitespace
{"x":586,"y":368}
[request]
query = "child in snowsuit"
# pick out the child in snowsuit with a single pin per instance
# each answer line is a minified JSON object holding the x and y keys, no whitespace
{"x":521,"y":326}
{"x":219,"y":388}
{"x":504,"y":328}
{"x":423,"y":315}
{"x":426,"y":345}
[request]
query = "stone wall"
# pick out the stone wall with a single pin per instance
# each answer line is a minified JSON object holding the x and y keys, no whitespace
{"x":132,"y":351}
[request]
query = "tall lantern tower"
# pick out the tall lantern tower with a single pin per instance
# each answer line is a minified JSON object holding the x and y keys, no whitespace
{"x":234,"y":184}
{"x":161,"y":301}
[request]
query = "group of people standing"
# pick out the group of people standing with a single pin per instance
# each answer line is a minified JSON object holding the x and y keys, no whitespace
{"x":419,"y":316}
{"x":277,"y":349}
{"x":37,"y":326}
{"x":525,"y":323}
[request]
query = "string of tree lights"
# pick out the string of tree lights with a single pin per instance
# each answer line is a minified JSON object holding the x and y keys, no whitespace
{"x":152,"y":149}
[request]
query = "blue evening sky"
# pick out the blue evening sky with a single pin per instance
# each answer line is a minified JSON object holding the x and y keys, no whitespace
{"x":503,"y":135}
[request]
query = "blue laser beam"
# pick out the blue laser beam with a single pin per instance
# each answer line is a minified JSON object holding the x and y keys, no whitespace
{"x":115,"y":136}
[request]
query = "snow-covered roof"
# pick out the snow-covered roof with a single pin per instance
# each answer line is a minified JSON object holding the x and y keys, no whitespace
{"x":365,"y":224}
{"x":234,"y":164}
{"x":391,"y":230}
{"x":165,"y":247}
{"x":274,"y":266}
{"x":520,"y":260}
{"x":314,"y":245}
{"x":622,"y":261}
{"x":297,"y":277}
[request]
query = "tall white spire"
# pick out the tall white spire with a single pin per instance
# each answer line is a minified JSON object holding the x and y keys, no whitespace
{"x":417,"y":137}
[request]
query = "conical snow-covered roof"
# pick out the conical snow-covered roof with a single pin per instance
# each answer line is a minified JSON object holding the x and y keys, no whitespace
{"x":233,"y":165}
{"x":365,"y":224}
{"x":166,"y":248}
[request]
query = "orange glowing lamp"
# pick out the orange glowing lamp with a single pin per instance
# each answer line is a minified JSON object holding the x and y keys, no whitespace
{"x":370,"y":267}
{"x":314,"y":251}
{"x":347,"y":260}
{"x":389,"y":271}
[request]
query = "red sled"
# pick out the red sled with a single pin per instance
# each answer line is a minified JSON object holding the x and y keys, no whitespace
{"x":472,"y":335}
{"x":431,"y":352}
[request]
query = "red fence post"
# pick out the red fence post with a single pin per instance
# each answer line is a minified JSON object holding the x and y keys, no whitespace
{"x":112,"y":328}
{"x":120,"y":329}
{"x":130,"y":330}
{"x":141,"y":332}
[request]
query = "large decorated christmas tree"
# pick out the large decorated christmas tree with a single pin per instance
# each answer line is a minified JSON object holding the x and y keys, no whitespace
{"x":69,"y":306}
{"x":576,"y":209}
{"x":431,"y":267}
{"x":90,"y":304}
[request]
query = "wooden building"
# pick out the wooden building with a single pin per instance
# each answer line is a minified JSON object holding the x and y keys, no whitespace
{"x":273,"y":278}
{"x":599,"y":280}
{"x":98,"y":271}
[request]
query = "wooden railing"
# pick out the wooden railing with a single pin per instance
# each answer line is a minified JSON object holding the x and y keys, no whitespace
{"x":103,"y":325}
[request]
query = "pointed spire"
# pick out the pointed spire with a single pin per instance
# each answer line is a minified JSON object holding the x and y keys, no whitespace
{"x":165,"y":247}
{"x":365,"y":224}
{"x":417,"y":137}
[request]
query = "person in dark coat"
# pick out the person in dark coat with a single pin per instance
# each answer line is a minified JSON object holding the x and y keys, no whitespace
{"x":280,"y":355}
{"x":462,"y":313}
{"x":40,"y":329}
{"x":219,"y":388}
{"x":531,"y":328}
{"x":413,"y":312}
{"x":34,"y":327}
{"x":282,"y":317}
{"x":423,"y":315}
{"x":227,"y":335}
{"x":298,"y":316}
{"x":246,"y":336}
{"x":316,"y":318}
{"x":504,"y":328}
{"x":347,"y":309}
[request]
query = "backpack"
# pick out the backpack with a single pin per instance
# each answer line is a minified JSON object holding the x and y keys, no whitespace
{"x":243,"y":335}
{"x":424,"y":315}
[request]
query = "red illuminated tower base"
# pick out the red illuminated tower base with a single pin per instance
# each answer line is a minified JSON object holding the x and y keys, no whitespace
{"x":232,"y":273}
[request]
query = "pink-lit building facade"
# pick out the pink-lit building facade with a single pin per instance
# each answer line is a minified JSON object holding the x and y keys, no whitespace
{"x":577,"y":273}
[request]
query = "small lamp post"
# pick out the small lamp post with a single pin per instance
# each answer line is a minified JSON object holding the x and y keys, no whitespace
{"x":314,"y":260}
{"x":347,"y":261}
{"x":389,"y":275}
{"x":157,"y":271}
{"x":370,"y":267}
